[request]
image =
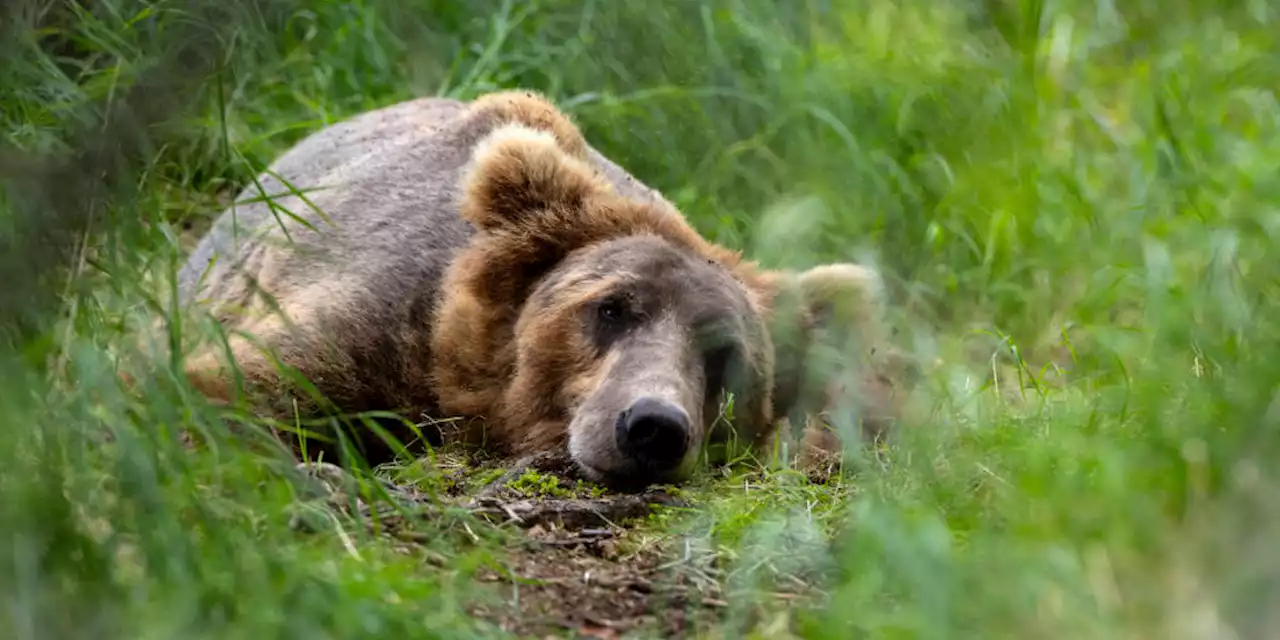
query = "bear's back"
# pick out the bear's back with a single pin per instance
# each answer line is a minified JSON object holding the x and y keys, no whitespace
{"x":386,"y":188}
{"x":387,"y":184}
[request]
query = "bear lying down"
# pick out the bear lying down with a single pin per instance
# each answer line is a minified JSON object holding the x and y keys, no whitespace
{"x":481,"y":260}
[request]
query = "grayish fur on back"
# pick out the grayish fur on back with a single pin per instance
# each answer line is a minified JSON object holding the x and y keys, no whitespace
{"x":376,"y":171}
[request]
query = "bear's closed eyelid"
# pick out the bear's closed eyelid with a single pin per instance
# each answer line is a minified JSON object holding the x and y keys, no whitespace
{"x":716,"y":332}
{"x":716,"y":362}
{"x":720,"y":354}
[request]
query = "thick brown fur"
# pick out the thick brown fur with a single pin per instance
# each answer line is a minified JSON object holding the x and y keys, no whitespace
{"x":398,"y":303}
{"x":474,"y":346}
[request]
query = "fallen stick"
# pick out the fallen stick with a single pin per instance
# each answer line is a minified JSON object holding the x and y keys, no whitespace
{"x":571,"y":513}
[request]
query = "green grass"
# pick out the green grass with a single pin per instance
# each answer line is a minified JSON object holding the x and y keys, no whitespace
{"x":1075,"y":204}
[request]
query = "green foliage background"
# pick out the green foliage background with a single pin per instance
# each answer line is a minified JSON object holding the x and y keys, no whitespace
{"x":1075,"y":203}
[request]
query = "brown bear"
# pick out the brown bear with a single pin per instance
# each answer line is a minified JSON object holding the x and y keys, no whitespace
{"x":482,"y":260}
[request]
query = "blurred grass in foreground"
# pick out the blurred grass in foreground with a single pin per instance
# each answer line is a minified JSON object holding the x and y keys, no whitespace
{"x":1075,"y":201}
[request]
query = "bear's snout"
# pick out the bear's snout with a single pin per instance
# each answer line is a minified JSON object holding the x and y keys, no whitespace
{"x":653,"y":432}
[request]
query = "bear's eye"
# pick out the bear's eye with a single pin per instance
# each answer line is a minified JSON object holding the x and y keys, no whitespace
{"x":612,"y":310}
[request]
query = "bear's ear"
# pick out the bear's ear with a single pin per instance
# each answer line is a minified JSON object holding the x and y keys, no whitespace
{"x":833,"y":344}
{"x":844,"y":294}
{"x":818,"y":315}
{"x":533,"y":110}
{"x":518,"y":174}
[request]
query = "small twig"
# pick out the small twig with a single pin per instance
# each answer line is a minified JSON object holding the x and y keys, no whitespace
{"x":474,"y":538}
{"x":572,"y":513}
{"x":514,"y":517}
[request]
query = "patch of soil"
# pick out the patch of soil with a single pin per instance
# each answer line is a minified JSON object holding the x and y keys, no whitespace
{"x":581,"y":568}
{"x":584,"y":583}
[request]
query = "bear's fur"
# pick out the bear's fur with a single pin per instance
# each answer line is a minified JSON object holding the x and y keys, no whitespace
{"x":481,"y":260}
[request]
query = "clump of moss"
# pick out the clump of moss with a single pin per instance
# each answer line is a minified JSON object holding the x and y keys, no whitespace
{"x":532,"y":484}
{"x":487,"y":477}
{"x":589,"y":489}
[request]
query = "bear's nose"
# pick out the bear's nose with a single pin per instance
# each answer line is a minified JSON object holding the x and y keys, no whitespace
{"x":654,"y":432}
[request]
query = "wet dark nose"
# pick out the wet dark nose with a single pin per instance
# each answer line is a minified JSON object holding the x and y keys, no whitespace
{"x":653,"y":432}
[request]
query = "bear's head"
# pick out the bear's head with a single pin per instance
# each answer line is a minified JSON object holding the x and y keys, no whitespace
{"x":581,"y":320}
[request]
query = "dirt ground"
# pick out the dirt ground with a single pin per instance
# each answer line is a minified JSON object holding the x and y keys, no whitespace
{"x":585,"y":566}
{"x":582,"y":582}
